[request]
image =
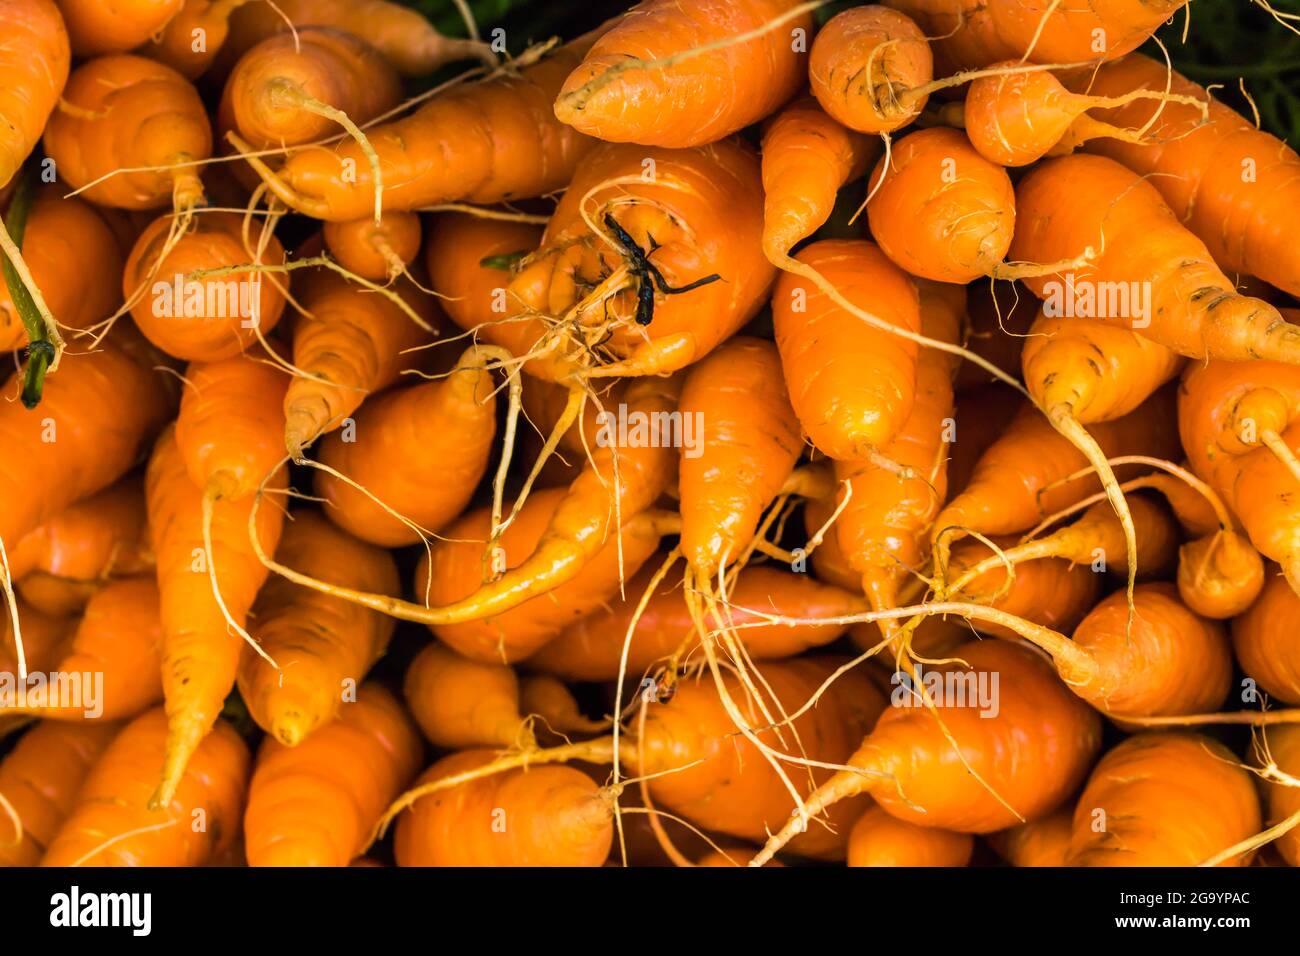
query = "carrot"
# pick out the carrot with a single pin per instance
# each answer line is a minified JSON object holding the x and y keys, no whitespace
{"x":39,"y":780}
{"x":1044,"y":842}
{"x":193,"y":37}
{"x":1221,"y":168}
{"x":348,"y":345}
{"x":545,"y":816}
{"x":110,"y":824}
{"x":1163,"y":800}
{"x":1154,"y":275}
{"x":908,"y":764}
{"x":747,"y":448}
{"x":98,"y":28}
{"x":43,"y":635}
{"x":982,"y":415}
{"x":807,"y":157}
{"x":550,"y":704}
{"x":1220,"y":575}
{"x":655,"y":254}
{"x":405,"y":37}
{"x":200,"y":655}
{"x":72,"y":254}
{"x":323,"y":646}
{"x":494,"y":140}
{"x":441,"y":433}
{"x":851,"y":385}
{"x":315,"y":804}
{"x":109,"y":668}
{"x":591,"y":648}
{"x":1266,"y":644}
{"x":461,"y":703}
{"x":135,"y":115}
{"x":375,"y":252}
{"x":878,"y":839}
{"x":1281,"y":747}
{"x":193,"y":315}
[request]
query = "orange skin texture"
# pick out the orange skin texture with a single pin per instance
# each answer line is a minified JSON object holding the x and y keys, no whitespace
{"x":1170,"y":799}
{"x":145,"y":114}
{"x":540,"y":816}
{"x":99,"y":537}
{"x":113,"y":801}
{"x":35,"y":65}
{"x":1017,"y":118}
{"x":174,"y":45}
{"x":1034,"y":753}
{"x":200,"y":653}
{"x":1236,"y":219}
{"x":1283,"y":801}
{"x":943,"y":211}
{"x":479,"y":143}
{"x":43,"y":636}
{"x":353,"y":340}
{"x":120,"y":636}
{"x":334,"y":68}
{"x":1005,"y":494}
{"x":696,"y":101}
{"x":1194,"y":308}
{"x":1171,"y":662}
{"x":975,"y":33}
{"x":97,"y":28}
{"x":590,"y":649}
{"x":852,"y":385}
{"x":878,"y":839}
{"x":1220,"y":575}
{"x":40,"y":777}
{"x":837,"y":68}
{"x":319,"y":641}
{"x":735,"y":790}
{"x":461,"y":703}
{"x":807,"y":157}
{"x":457,"y":573}
{"x":364,"y":248}
{"x":1044,"y":842}
{"x":704,"y":208}
{"x":106,"y":407}
{"x":983,"y":414}
{"x":747,"y":449}
{"x":442,"y":433}
{"x":215,"y":241}
{"x":315,"y":804}
{"x":76,"y":262}
{"x":1265,"y":640}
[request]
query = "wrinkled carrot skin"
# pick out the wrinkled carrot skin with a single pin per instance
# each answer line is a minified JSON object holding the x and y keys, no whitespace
{"x":973,"y":33}
{"x":97,"y":28}
{"x":420,"y":450}
{"x":1194,"y":308}
{"x":851,"y":385}
{"x":1283,"y":801}
{"x":942,"y":211}
{"x":697,"y":101}
{"x":134,"y":113}
{"x":1044,"y":842}
{"x":982,"y":414}
{"x":315,"y":804}
{"x":207,"y":330}
{"x":1266,"y":641}
{"x":262,"y":94}
{"x":734,"y":790}
{"x":702,"y":206}
{"x":590,"y":649}
{"x":43,"y":635}
{"x":75,"y":261}
{"x":1234,"y":215}
{"x":745,"y":451}
{"x":35,"y":65}
{"x":878,"y":839}
{"x":352,"y":340}
{"x":863,"y":61}
{"x":461,"y":703}
{"x":101,"y":536}
{"x":174,"y":45}
{"x":541,"y":816}
{"x":372,"y":250}
{"x":1170,"y":799}
{"x":112,"y":802}
{"x":120,"y":638}
{"x":402,"y":35}
{"x":98,"y":416}
{"x":807,"y":157}
{"x":1220,"y":575}
{"x":40,"y":777}
{"x":478,"y":142}
{"x":323,"y":644}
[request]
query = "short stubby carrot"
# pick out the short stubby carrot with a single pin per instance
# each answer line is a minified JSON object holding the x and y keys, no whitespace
{"x":1043,"y":842}
{"x":375,"y":251}
{"x":878,"y":839}
{"x":193,"y":37}
{"x":97,"y":28}
{"x":1266,"y":645}
{"x":461,"y":703}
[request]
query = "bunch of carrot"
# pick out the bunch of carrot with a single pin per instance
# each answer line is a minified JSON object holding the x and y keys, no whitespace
{"x":741,"y":529}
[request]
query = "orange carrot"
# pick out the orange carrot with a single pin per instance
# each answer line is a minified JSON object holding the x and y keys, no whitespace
{"x":461,"y":703}
{"x":1044,"y":842}
{"x":1282,"y":746}
{"x":1267,"y":646}
{"x":375,"y":251}
{"x":878,"y":839}
{"x":193,"y":37}
{"x":43,"y":636}
{"x":97,"y":28}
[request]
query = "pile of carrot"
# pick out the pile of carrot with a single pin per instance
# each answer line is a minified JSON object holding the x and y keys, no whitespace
{"x":748,"y":432}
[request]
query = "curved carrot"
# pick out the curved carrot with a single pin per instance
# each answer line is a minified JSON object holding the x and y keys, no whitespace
{"x":111,"y":824}
{"x":878,"y":839}
{"x":193,"y":37}
{"x":315,"y":804}
{"x":1266,"y":644}
{"x":1163,"y":800}
{"x":97,"y":28}
{"x":35,"y":65}
{"x":461,"y":703}
{"x":1043,"y":842}
{"x":375,"y":251}
{"x":1220,"y":575}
